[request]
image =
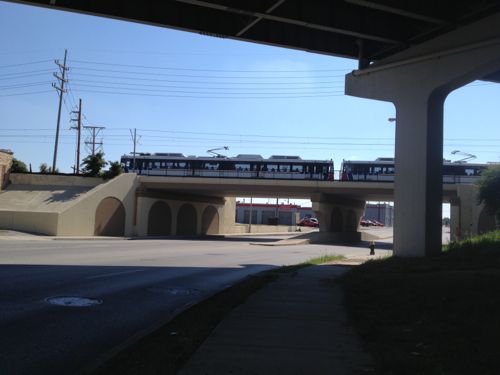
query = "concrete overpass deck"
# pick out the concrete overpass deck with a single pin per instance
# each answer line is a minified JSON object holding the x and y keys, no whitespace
{"x":305,"y":189}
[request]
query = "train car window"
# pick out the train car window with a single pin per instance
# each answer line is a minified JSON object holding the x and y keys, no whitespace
{"x":242,"y":166}
{"x":211,"y":166}
{"x":284,"y":168}
{"x":298,"y":168}
{"x":272,"y":167}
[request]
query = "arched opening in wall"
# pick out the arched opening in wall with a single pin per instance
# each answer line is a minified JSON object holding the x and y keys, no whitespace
{"x":186,"y":220}
{"x":336,"y":220}
{"x":210,"y":221}
{"x":352,"y":223}
{"x":110,"y":218}
{"x":486,"y":222}
{"x":160,"y":219}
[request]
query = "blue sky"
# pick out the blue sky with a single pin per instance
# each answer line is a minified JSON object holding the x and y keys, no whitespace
{"x":202,"y":93}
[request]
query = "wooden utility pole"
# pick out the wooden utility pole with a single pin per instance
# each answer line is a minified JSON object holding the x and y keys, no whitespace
{"x":78,"y":135}
{"x":60,"y":89}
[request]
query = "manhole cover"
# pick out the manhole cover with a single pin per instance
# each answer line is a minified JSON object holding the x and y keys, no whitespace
{"x":71,"y":301}
{"x":175,"y":291}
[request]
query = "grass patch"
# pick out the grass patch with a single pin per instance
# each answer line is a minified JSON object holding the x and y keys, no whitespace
{"x":165,"y":350}
{"x":438,"y":315}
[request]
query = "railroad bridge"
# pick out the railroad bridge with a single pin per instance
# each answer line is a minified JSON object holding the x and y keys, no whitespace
{"x":133,"y":205}
{"x":412,"y":53}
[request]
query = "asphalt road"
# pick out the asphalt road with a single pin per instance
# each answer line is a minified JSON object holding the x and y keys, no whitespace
{"x":138,"y":284}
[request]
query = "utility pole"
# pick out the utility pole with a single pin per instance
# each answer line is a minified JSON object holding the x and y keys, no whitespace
{"x":60,"y":89}
{"x":94,"y":132}
{"x":134,"y":140}
{"x":78,"y":135}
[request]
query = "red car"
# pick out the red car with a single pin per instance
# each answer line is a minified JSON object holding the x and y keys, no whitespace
{"x":309,"y":222}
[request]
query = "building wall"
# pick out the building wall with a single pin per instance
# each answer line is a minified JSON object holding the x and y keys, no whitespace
{"x":382,"y":212}
{"x":261,"y":213}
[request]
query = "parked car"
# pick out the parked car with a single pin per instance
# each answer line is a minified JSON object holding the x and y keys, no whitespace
{"x":377,"y":223}
{"x":309,"y":222}
{"x":370,"y":223}
{"x":365,"y":223}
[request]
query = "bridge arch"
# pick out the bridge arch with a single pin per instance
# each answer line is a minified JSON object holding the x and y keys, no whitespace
{"x":187,"y":219}
{"x":210,"y":221}
{"x":160,"y":219}
{"x":352,"y":223}
{"x":110,"y":218}
{"x":336,"y":220}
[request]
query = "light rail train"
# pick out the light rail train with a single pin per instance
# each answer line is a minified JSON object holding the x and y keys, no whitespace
{"x":382,"y":169}
{"x":242,"y":166}
{"x":282,"y":167}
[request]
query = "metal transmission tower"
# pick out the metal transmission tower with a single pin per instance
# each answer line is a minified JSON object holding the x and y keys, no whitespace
{"x":78,"y":129}
{"x":135,"y":141}
{"x":91,"y":141}
{"x":60,"y":89}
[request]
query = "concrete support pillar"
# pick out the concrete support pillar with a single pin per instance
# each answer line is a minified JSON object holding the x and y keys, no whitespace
{"x":418,"y":181}
{"x":417,"y":81}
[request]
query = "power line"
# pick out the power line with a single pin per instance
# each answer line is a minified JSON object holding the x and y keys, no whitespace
{"x":206,"y":97}
{"x":21,"y":85}
{"x":202,"y":93}
{"x":24,"y":76}
{"x":205,"y":82}
{"x":29,"y":72}
{"x":26,"y":93}
{"x":201,"y":76}
{"x":208,"y":70}
{"x":23,"y":64}
{"x":208,"y":88}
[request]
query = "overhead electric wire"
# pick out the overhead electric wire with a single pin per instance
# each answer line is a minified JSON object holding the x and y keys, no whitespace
{"x":202,"y":93}
{"x":20,"y":85}
{"x":24,"y":76}
{"x":23,"y":64}
{"x":202,"y":76}
{"x":27,"y":93}
{"x":206,"y":82}
{"x":206,"y":96}
{"x":208,"y":70}
{"x":204,"y":87}
{"x":25,"y":73}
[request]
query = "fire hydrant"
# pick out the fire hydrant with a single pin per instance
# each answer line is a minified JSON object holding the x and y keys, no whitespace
{"x":372,"y":248}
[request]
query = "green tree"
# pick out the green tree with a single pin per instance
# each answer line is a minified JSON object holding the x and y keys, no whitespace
{"x":115,"y":169}
{"x":489,"y":191}
{"x":45,"y":169}
{"x":18,"y":166}
{"x":92,"y":165}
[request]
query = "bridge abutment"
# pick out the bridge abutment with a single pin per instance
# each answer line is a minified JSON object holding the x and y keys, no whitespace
{"x":171,"y":214}
{"x":467,"y":218}
{"x":339,"y":218}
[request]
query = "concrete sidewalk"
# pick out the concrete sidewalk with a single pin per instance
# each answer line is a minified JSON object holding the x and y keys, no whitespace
{"x":296,"y":325}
